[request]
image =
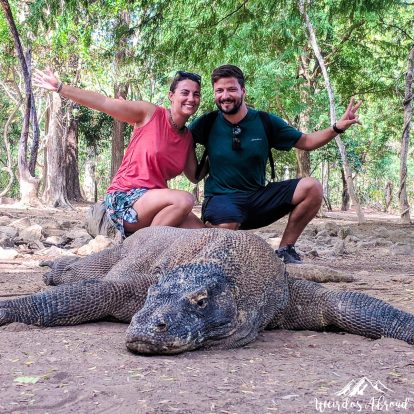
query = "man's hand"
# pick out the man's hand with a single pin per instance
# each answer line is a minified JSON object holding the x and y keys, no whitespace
{"x":317,"y":139}
{"x":46,"y":79}
{"x":350,"y":116}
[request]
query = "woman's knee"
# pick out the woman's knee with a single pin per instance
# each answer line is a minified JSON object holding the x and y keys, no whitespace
{"x":183,"y":200}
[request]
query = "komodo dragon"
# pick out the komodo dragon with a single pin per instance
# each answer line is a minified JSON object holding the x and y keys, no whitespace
{"x":182,"y":290}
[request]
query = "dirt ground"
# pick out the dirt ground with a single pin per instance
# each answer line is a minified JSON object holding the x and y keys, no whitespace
{"x":87,"y":368}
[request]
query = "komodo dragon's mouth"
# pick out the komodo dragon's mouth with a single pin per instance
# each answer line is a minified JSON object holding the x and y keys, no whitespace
{"x":145,"y":346}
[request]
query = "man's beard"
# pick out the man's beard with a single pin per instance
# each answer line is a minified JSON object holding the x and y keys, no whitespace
{"x":234,"y":110}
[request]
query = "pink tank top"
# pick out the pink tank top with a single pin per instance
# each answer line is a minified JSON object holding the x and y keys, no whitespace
{"x":155,"y":154}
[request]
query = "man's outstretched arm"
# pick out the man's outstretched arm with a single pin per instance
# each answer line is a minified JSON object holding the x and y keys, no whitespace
{"x":320,"y":138}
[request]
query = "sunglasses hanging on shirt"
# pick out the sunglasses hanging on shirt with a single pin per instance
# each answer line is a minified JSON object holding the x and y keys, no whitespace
{"x":236,"y":143}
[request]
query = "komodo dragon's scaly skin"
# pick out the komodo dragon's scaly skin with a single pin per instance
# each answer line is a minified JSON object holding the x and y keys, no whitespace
{"x":206,"y":288}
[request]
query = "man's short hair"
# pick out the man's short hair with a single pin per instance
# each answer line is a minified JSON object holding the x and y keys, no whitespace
{"x":227,"y":71}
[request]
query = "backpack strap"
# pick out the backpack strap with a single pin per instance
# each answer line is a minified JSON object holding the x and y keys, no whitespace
{"x":204,"y":128}
{"x":268,"y":127}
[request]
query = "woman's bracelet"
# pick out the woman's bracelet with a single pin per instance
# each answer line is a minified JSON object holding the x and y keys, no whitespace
{"x":59,"y":87}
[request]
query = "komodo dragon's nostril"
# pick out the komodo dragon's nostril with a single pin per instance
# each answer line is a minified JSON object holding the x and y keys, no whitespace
{"x":160,"y":326}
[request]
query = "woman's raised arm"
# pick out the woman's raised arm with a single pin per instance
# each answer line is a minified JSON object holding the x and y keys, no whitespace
{"x":133,"y":112}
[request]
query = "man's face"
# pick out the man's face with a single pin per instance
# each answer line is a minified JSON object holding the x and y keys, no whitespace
{"x":228,"y":95}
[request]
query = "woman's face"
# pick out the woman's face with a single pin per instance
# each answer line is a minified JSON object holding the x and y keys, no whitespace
{"x":185,"y":99}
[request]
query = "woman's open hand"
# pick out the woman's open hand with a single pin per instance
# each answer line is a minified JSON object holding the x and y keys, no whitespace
{"x":46,"y":79}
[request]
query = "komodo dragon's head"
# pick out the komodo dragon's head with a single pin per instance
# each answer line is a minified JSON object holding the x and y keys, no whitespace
{"x":189,"y":308}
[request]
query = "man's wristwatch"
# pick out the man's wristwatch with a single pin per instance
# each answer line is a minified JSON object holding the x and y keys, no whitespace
{"x":337,"y":130}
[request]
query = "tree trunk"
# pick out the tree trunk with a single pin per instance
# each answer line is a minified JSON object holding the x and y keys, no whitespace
{"x":348,"y":175}
{"x":118,"y":129}
{"x":35,"y":124}
{"x":405,"y":140}
{"x":345,"y":192}
{"x":325,"y":170}
{"x":28,"y":183}
{"x":9,"y":167}
{"x":120,"y":91}
{"x":303,"y":163}
{"x":303,"y":157}
{"x":55,"y":190}
{"x":44,"y":147}
{"x":388,"y":196}
{"x":73,"y":189}
{"x":89,"y":183}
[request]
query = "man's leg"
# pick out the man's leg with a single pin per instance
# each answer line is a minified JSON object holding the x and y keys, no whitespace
{"x":223,"y":211}
{"x":300,"y":198}
{"x":307,"y":200}
{"x":192,"y":222}
{"x":230,"y":226}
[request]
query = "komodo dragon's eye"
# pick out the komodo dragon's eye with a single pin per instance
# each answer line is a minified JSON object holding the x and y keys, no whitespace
{"x":200,"y":299}
{"x":202,"y":302}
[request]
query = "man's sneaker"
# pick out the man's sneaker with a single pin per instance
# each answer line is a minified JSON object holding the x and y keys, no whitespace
{"x":288,"y":254}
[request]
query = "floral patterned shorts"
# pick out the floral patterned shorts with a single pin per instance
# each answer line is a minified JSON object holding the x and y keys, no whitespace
{"x":119,"y":207}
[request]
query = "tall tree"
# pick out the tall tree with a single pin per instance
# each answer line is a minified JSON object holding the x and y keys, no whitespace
{"x":35,"y":124}
{"x":8,"y":167}
{"x":70,"y":141}
{"x":341,"y":147}
{"x":405,"y":139}
{"x":72,"y":175}
{"x":120,"y":90}
{"x":29,"y":184}
{"x":55,"y":193}
{"x":303,"y":157}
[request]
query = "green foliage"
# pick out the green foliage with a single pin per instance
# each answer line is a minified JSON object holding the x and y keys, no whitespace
{"x":95,"y":130}
{"x":94,"y":127}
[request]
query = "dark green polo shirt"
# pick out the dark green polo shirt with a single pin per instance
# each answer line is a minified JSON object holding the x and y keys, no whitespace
{"x":243,"y":170}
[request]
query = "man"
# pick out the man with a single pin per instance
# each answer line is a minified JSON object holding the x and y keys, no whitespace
{"x":235,"y":192}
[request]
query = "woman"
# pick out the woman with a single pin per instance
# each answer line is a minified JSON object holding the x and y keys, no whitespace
{"x":161,"y":147}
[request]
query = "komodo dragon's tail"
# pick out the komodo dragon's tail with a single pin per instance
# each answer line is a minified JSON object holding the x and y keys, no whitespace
{"x":311,"y":306}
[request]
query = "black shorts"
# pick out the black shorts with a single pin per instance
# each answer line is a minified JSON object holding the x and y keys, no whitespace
{"x":252,"y":209}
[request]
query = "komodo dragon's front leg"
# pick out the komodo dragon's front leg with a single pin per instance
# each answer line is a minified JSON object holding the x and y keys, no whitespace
{"x":69,"y":269}
{"x":312,"y":306}
{"x":77,"y":303}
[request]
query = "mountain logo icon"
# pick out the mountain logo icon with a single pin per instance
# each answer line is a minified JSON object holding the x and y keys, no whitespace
{"x":361,"y":386}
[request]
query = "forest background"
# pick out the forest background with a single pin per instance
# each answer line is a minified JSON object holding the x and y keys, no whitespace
{"x":303,"y":60}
